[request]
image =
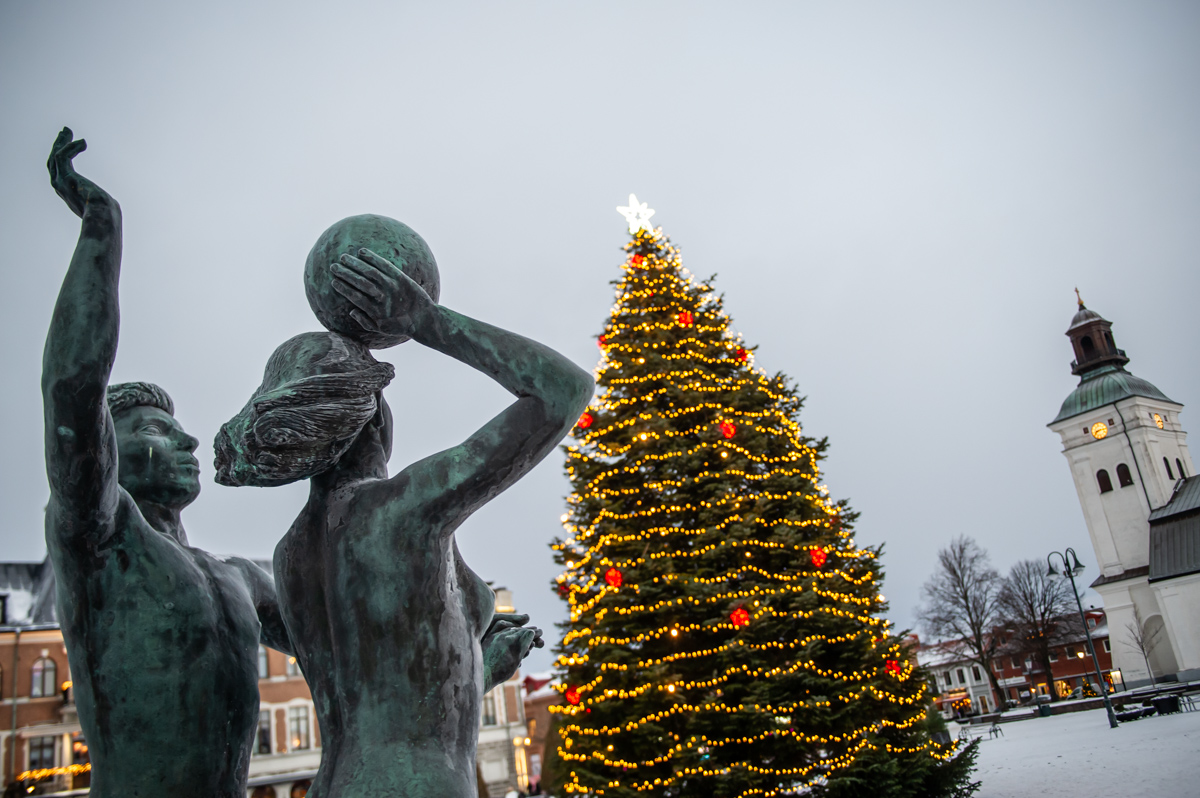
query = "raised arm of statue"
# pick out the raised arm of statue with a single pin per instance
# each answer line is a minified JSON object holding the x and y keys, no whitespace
{"x":81,"y":453}
{"x":551,"y":391}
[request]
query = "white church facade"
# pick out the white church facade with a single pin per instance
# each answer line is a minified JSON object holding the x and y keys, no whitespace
{"x":1140,"y":496}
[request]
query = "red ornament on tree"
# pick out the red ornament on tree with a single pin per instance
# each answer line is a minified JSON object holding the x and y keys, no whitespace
{"x":685,"y":318}
{"x":637,"y":260}
{"x":740,"y":617}
{"x":585,"y":421}
{"x":892,"y":666}
{"x":742,"y":355}
{"x":818,"y":557}
{"x":563,"y":590}
{"x":572,"y":696}
{"x":613,"y":577}
{"x":728,"y":428}
{"x":601,"y":341}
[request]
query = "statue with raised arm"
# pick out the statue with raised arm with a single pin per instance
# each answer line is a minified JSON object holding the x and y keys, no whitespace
{"x":396,"y":635}
{"x":162,"y":638}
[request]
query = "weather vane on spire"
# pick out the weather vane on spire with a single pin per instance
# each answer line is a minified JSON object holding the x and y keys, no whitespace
{"x":637,"y":214}
{"x":1078,"y":298}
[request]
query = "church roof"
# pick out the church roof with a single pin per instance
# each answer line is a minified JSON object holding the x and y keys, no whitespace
{"x":1104,"y":386}
{"x":1083,"y":317}
{"x":1185,"y":499}
{"x":1175,"y":533}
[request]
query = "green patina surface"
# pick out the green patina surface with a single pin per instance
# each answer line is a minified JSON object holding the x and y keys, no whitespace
{"x":1104,"y":386}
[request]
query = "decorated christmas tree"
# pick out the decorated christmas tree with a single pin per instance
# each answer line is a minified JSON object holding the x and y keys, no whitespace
{"x":726,"y":635}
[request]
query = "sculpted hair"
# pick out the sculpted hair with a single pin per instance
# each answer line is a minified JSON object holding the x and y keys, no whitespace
{"x":318,"y":392}
{"x":125,"y":395}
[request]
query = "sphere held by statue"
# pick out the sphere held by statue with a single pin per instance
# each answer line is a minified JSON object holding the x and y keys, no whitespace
{"x":388,"y":237}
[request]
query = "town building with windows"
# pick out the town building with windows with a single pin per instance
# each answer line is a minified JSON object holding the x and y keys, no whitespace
{"x":1140,"y":496}
{"x":962,"y":687}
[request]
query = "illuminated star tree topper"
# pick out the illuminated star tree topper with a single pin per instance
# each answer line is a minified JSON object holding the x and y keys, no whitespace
{"x":637,"y":214}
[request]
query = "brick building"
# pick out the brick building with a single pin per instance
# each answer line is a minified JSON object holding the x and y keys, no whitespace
{"x":1020,"y":676}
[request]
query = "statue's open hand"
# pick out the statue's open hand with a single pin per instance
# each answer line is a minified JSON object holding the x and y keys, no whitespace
{"x":75,"y":189}
{"x":385,"y":299}
{"x":508,"y":641}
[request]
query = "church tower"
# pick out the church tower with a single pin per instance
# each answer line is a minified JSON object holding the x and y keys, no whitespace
{"x":1135,"y":480}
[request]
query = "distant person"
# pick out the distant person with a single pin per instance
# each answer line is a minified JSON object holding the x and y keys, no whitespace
{"x":162,"y":638}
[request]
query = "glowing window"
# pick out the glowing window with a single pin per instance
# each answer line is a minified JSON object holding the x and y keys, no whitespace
{"x":298,"y":728}
{"x":1099,"y":430}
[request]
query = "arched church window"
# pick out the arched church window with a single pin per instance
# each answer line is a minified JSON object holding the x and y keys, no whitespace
{"x":1104,"y":480}
{"x":1124,"y":478}
{"x":1167,"y":465}
{"x":1089,"y":348}
{"x":45,"y":676}
{"x":1112,"y":345}
{"x":1179,"y":466}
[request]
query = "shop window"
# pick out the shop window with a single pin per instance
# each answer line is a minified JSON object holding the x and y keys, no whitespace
{"x":45,"y":678}
{"x":1124,"y":478}
{"x":1104,"y":481}
{"x":263,"y":792}
{"x":300,"y":789}
{"x":79,"y":750}
{"x":298,"y":733}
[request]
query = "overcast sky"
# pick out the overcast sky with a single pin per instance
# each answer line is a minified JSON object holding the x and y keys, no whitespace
{"x":898,"y":200}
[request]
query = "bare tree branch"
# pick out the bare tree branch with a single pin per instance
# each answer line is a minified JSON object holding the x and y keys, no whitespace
{"x":1039,"y":608}
{"x":960,"y":604}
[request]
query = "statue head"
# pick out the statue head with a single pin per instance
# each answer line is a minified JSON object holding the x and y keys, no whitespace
{"x":155,"y":460}
{"x":386,"y":237}
{"x":319,"y":391}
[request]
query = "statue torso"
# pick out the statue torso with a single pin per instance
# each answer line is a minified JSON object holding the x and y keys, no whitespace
{"x":162,"y":641}
{"x":386,"y":619}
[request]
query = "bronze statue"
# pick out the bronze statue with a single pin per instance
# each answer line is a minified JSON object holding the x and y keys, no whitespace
{"x":162,"y":638}
{"x":395,"y":634}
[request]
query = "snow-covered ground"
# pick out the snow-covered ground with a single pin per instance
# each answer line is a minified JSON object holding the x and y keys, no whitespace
{"x":1078,"y":756}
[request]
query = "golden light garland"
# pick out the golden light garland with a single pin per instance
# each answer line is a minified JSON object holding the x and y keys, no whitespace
{"x":677,"y":386}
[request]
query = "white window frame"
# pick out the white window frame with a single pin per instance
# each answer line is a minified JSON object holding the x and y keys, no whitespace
{"x":295,"y":711}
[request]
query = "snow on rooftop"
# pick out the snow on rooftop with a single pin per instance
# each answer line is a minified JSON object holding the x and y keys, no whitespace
{"x":1076,"y":755}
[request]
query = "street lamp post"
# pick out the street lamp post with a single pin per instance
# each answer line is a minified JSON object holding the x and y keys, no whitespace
{"x":1071,"y":568}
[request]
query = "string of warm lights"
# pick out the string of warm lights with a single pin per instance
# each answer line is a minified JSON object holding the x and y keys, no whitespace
{"x":723,"y":623}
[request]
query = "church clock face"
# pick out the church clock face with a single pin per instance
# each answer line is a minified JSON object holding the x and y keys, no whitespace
{"x":1099,"y":430}
{"x":1158,"y":422}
